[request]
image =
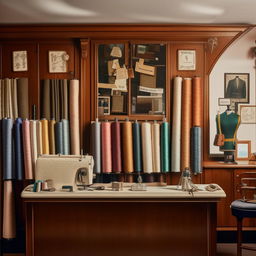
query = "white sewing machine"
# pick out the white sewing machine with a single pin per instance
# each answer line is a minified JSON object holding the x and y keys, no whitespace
{"x":73,"y":170}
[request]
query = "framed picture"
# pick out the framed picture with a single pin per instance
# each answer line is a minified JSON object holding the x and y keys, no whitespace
{"x":19,"y":61}
{"x":103,"y":105}
{"x":237,"y":87}
{"x":248,"y":114}
{"x":186,"y":60}
{"x":58,"y":61}
{"x":243,"y":150}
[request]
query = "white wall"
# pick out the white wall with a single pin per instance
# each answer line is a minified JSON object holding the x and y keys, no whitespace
{"x":238,"y":58}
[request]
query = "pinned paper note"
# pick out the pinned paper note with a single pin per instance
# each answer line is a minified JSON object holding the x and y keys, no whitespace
{"x":116,"y":52}
{"x":106,"y":86}
{"x":122,"y":73}
{"x":145,"y":69}
{"x":115,"y":64}
{"x":121,"y":84}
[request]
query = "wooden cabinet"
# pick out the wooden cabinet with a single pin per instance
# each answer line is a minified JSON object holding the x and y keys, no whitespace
{"x":226,"y":177}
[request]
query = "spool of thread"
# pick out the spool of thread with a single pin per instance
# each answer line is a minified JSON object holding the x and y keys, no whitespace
{"x":106,"y":147}
{"x":136,"y":131}
{"x":176,"y":127}
{"x":45,"y":136}
{"x":197,"y":101}
{"x":156,"y":147}
{"x":116,"y":147}
{"x":186,"y":123}
{"x":165,"y":145}
{"x":96,"y":145}
{"x":146,"y":147}
{"x":127,"y":145}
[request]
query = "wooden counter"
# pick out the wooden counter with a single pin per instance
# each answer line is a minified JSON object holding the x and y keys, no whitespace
{"x":161,"y":221}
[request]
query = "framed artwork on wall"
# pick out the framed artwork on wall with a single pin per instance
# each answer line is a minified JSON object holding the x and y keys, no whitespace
{"x":237,"y":87}
{"x":243,"y":150}
{"x":58,"y":61}
{"x":186,"y":60}
{"x":19,"y":61}
{"x":248,"y":114}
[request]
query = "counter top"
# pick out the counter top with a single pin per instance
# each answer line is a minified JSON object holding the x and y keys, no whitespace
{"x":164,"y":192}
{"x":221,"y":164}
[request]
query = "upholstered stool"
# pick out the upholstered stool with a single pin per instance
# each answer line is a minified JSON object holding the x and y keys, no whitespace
{"x":243,"y":208}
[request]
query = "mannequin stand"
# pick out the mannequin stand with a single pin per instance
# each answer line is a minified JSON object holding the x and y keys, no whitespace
{"x":229,"y":157}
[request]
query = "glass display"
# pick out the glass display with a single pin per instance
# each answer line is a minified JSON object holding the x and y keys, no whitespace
{"x":148,"y":84}
{"x":112,"y":80}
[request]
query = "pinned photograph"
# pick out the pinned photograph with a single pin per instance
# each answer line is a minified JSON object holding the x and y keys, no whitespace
{"x":20,"y":61}
{"x":58,"y":61}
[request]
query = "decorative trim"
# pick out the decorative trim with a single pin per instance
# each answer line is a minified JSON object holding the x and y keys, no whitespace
{"x":212,"y":44}
{"x":84,"y":48}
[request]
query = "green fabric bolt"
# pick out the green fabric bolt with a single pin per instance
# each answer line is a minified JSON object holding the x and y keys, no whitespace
{"x":137,"y":147}
{"x":165,"y":144}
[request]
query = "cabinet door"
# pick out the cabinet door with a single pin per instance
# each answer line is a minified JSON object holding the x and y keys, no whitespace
{"x":224,"y":178}
{"x":248,"y":222}
{"x":148,"y":87}
{"x":112,"y":80}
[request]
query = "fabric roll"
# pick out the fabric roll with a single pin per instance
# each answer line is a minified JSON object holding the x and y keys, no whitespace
{"x":57,"y":100}
{"x":9,"y":225}
{"x":147,"y":147}
{"x":14,"y":98}
{"x":2,"y":99}
{"x":196,"y":149}
{"x":52,"y":137}
{"x":165,"y":145}
{"x":1,"y":114}
{"x":74,"y":117}
{"x":61,"y":88}
{"x":136,"y":132}
{"x":46,"y":113}
{"x":156,"y":147}
{"x":10,"y":98}
{"x":45,"y":136}
{"x":52,"y":99}
{"x":22,"y":96}
{"x":18,"y":148}
{"x":106,"y":147}
{"x":127,"y":147}
{"x":197,"y":101}
{"x":116,"y":147}
{"x":176,"y":127}
{"x":39,"y":137}
{"x":33,"y":143}
{"x":7,"y":137}
{"x":186,"y":123}
{"x":27,"y":150}
{"x":96,"y":145}
{"x":59,"y":138}
{"x":65,"y":99}
{"x":7,"y":98}
{"x":66,"y":137}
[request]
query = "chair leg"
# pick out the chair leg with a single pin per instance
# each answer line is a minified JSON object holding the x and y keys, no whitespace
{"x":239,"y":236}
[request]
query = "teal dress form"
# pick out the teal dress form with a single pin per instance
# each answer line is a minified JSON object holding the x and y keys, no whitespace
{"x":229,"y":124}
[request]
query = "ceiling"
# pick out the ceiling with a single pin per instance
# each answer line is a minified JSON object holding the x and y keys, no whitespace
{"x":128,"y":11}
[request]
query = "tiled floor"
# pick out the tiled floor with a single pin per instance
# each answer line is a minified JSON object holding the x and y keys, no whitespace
{"x":230,"y":250}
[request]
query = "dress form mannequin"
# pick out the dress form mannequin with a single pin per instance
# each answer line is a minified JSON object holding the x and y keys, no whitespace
{"x":229,"y":123}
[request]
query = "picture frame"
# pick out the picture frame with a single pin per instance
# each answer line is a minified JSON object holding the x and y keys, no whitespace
{"x":243,"y":150}
{"x":248,"y":114}
{"x":103,"y":105}
{"x":58,"y":61}
{"x":19,"y":61}
{"x":186,"y":59}
{"x":237,"y":87}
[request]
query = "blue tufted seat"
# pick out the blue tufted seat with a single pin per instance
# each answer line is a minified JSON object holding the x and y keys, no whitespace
{"x":244,"y":208}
